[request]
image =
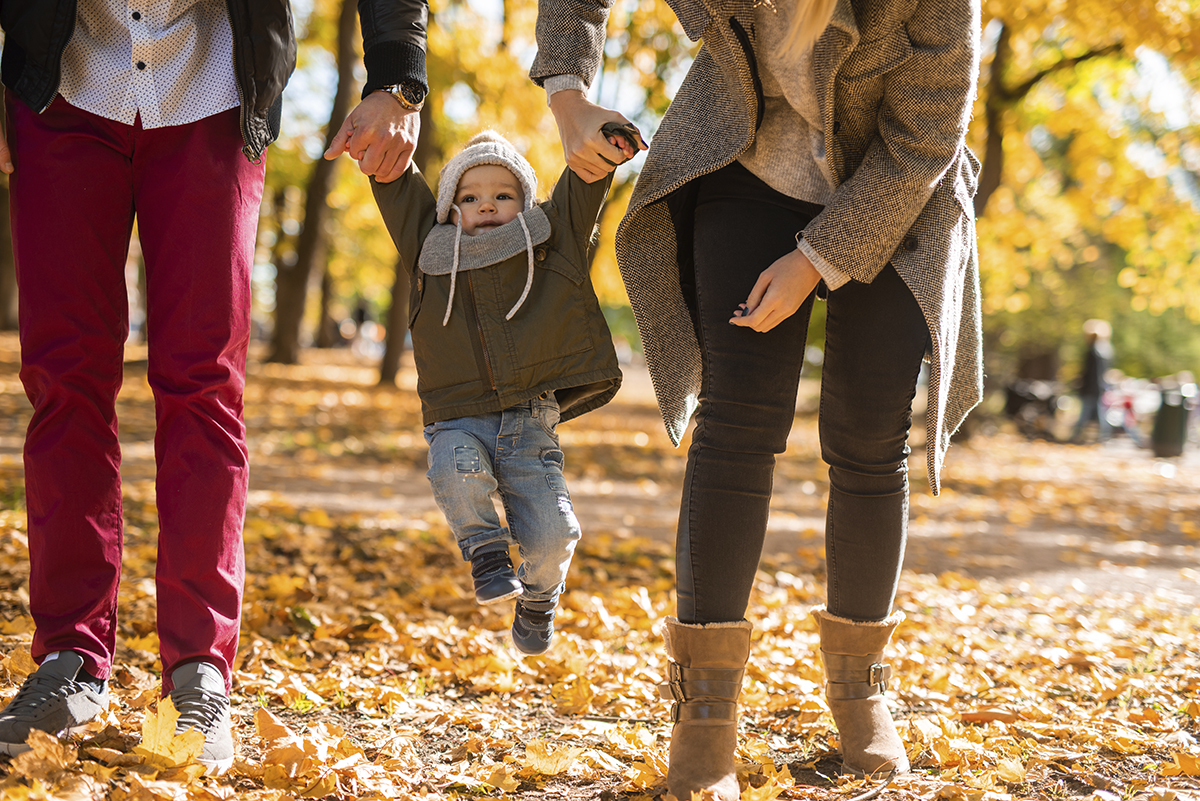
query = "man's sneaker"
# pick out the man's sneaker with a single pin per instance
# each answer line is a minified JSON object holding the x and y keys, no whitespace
{"x":52,"y":700}
{"x":495,"y":579}
{"x":532,"y":629}
{"x":199,"y":697}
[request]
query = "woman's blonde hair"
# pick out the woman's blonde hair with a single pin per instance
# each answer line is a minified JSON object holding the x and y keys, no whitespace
{"x":809,"y":20}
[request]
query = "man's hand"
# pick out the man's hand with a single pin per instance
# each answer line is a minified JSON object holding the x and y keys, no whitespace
{"x":380,"y":135}
{"x":778,"y":293}
{"x":587,"y":151}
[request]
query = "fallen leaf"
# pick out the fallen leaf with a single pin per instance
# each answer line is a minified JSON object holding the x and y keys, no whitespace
{"x":503,"y":778}
{"x":160,"y":745}
{"x":19,"y":663}
{"x":987,"y":714}
{"x":269,"y":727}
{"x":46,"y":757}
{"x":1011,"y":770}
{"x":541,"y":758}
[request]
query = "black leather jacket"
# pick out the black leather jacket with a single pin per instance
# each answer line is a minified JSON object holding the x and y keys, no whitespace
{"x":36,"y":33}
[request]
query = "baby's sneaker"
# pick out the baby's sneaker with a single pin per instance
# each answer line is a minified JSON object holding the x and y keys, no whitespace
{"x":532,"y":629}
{"x":495,"y":579}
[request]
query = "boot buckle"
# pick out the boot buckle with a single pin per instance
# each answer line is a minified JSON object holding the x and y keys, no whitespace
{"x":672,"y":691}
{"x":879,"y":675}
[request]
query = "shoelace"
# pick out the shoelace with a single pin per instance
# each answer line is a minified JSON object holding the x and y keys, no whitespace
{"x":198,"y":708}
{"x":486,"y":564}
{"x":36,"y":691}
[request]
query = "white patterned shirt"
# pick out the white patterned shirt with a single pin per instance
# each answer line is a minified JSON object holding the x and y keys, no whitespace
{"x":171,"y":61}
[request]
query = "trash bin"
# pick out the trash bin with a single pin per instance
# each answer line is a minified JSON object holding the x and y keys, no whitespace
{"x":1171,"y":421}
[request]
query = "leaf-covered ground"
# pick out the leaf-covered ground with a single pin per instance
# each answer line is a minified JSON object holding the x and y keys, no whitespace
{"x":1051,"y":648}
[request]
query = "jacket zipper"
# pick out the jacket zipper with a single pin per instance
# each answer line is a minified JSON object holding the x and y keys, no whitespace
{"x":58,"y":60}
{"x":237,"y":83}
{"x":744,"y":41}
{"x":487,"y":360}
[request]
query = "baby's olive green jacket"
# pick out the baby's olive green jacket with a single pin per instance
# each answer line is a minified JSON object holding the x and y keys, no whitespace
{"x":479,"y":362}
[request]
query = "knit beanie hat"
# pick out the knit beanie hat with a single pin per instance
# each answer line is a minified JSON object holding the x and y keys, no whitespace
{"x":485,"y":147}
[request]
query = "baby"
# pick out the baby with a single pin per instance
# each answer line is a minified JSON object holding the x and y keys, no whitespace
{"x":509,"y":340}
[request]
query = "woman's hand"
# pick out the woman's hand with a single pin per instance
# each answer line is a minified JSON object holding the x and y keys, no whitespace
{"x":778,"y":292}
{"x":587,"y":151}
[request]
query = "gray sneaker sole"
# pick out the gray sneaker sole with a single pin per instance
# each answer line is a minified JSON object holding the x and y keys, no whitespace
{"x":216,"y":767}
{"x":15,"y":749}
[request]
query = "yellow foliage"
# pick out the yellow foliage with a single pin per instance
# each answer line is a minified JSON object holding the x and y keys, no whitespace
{"x":541,"y":757}
{"x":161,"y":746}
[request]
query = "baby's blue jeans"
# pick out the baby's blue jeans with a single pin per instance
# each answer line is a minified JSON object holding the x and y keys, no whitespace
{"x":513,"y":455}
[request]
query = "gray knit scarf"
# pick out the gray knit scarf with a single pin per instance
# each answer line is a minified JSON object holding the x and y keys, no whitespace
{"x":446,"y":251}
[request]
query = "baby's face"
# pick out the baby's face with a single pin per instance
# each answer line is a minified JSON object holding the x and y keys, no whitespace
{"x":489,"y":196}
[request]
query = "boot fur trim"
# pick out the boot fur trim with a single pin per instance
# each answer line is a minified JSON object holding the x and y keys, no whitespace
{"x":674,"y":621}
{"x":822,"y":611}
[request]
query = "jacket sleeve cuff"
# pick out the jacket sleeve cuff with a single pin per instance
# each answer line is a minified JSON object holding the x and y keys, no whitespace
{"x":392,"y":62}
{"x":561,"y":83}
{"x":832,"y":276}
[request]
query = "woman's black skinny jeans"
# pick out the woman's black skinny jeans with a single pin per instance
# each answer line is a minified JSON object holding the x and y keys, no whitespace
{"x":875,"y":337}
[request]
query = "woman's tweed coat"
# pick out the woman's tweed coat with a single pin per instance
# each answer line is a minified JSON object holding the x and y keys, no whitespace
{"x":895,"y":83}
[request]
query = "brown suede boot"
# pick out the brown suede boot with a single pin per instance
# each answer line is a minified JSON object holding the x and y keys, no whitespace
{"x":855,"y":680}
{"x":704,"y":680}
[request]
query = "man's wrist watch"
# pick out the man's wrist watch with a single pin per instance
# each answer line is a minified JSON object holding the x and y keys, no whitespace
{"x":409,"y":94}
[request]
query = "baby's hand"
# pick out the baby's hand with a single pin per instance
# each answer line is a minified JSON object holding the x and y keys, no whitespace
{"x":622,"y":144}
{"x":625,"y":138}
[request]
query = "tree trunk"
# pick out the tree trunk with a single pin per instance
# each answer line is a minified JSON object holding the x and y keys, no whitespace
{"x":994,"y":107}
{"x":397,"y":327}
{"x":327,"y":327}
{"x":8,"y":267}
{"x":291,"y":283}
{"x":397,"y":315}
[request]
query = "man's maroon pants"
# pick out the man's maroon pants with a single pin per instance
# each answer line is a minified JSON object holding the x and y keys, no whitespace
{"x":79,"y":181}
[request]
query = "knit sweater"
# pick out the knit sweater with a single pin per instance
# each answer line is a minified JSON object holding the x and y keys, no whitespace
{"x":788,"y":151}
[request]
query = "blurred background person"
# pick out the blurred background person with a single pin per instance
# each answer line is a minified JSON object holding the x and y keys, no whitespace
{"x":1091,"y":383}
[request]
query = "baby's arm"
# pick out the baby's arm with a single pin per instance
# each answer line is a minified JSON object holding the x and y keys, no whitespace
{"x":576,"y":206}
{"x":409,"y":212}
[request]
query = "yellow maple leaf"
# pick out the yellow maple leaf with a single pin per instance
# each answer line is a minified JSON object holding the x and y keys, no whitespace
{"x":503,"y":778}
{"x":1127,"y":741}
{"x":541,"y":758}
{"x":1011,"y":770}
{"x":19,"y":663}
{"x":326,"y":784}
{"x":111,"y":756}
{"x":1185,"y":764}
{"x":778,"y":781}
{"x":642,"y":775}
{"x":161,"y":746}
{"x":572,"y":697}
{"x":269,"y":727}
{"x":45,"y":758}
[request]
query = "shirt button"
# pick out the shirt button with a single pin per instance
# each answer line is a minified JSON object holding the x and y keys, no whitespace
{"x":136,"y":15}
{"x":141,"y":65}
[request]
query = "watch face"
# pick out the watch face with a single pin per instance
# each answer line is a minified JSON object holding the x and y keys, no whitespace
{"x":413,"y":93}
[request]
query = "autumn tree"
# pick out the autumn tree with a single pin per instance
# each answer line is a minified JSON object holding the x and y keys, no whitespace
{"x":1087,"y":197}
{"x":292,"y":282}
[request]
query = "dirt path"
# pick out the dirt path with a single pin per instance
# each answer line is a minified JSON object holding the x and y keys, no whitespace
{"x":1059,"y":518}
